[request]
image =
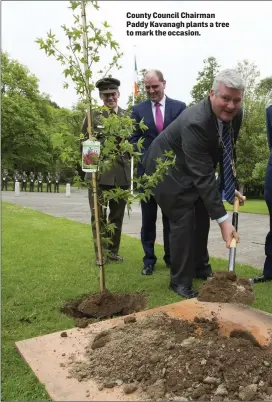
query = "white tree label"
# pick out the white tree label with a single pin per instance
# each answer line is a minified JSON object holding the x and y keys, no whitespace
{"x":90,"y":156}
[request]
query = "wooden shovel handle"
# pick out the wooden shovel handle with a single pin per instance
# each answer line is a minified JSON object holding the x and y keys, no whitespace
{"x":235,"y":212}
{"x":233,"y":243}
{"x":237,"y":203}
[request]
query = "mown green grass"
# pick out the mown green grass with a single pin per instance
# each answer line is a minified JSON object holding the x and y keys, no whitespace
{"x":251,"y":207}
{"x":48,"y":260}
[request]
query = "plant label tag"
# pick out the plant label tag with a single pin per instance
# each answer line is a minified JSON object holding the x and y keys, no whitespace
{"x":90,"y":156}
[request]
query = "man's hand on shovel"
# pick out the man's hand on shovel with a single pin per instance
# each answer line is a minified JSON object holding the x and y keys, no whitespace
{"x":228,"y":233}
{"x":240,"y":197}
{"x":228,"y":230}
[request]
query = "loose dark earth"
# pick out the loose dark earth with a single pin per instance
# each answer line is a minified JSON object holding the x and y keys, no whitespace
{"x":89,"y":308}
{"x":164,"y":358}
{"x":226,"y":287}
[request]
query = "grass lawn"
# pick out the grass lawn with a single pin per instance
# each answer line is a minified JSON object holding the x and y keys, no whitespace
{"x":48,"y":260}
{"x":251,"y":207}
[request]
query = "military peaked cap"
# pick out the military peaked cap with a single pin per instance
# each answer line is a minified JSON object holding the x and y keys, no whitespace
{"x":107,"y":85}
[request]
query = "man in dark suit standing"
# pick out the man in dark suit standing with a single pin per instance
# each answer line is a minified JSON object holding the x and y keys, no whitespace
{"x":157,"y":112}
{"x":117,"y":176}
{"x":200,"y":138}
{"x":267,"y":271}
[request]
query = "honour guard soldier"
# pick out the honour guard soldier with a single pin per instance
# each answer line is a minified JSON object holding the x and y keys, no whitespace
{"x":24,"y":181}
{"x":56,"y":182}
{"x":117,"y":176}
{"x":40,"y":181}
{"x":48,"y":183}
{"x":5,"y":179}
{"x":31,"y":181}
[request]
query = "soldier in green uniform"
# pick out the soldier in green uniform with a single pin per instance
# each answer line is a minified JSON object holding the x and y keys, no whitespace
{"x":31,"y":181}
{"x":117,"y":176}
{"x":5,"y":180}
{"x":24,"y":181}
{"x":40,"y":181}
{"x":56,"y":182}
{"x":48,"y":182}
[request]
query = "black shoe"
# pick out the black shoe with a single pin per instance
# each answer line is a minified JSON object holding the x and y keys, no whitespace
{"x":184,"y":291}
{"x":148,"y":270}
{"x":168,"y":265}
{"x":115,"y":257}
{"x":262,"y":278}
{"x":203,"y":275}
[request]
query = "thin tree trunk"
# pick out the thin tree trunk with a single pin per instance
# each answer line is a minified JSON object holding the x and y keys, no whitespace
{"x":94,"y":175}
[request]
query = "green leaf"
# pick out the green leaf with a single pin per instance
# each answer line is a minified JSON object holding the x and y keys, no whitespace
{"x":74,"y":4}
{"x":77,"y":47}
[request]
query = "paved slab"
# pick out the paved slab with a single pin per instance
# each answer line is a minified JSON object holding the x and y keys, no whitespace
{"x":48,"y":355}
{"x":252,"y":228}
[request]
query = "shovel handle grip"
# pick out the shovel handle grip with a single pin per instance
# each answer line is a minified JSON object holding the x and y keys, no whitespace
{"x":235,"y":212}
{"x":233,"y":244}
{"x":236,"y":203}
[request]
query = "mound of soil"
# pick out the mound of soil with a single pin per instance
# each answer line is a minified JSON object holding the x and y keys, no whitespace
{"x":164,"y":358}
{"x":91,"y":307}
{"x":226,"y":287}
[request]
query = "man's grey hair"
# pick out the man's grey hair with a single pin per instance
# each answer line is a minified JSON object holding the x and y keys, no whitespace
{"x":230,"y":78}
{"x":158,"y":73}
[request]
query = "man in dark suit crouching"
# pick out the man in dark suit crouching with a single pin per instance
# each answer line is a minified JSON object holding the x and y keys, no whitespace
{"x":201,"y":137}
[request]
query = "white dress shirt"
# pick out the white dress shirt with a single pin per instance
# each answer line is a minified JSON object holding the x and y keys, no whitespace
{"x":162,"y":107}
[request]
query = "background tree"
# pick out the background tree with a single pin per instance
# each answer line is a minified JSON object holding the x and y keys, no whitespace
{"x":64,"y":131}
{"x":252,"y":150}
{"x":264,"y":89}
{"x":25,"y":118}
{"x":37,"y":134}
{"x":205,"y":80}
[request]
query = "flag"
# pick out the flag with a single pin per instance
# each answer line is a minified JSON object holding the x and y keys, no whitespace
{"x":136,"y":89}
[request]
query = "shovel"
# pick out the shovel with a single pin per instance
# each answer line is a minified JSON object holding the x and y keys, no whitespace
{"x":233,"y":244}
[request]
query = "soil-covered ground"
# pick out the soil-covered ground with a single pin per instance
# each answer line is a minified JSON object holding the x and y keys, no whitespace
{"x":164,"y":358}
{"x":226,"y":287}
{"x":89,"y":308}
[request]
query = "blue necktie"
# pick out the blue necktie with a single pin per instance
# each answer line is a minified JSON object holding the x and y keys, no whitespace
{"x":229,"y":178}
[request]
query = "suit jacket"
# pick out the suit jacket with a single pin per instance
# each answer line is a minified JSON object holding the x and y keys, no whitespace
{"x":268,"y":178}
{"x":194,"y":139}
{"x":143,"y":110}
{"x":119,"y":173}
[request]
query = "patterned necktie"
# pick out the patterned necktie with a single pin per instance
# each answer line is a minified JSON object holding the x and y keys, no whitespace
{"x":229,"y":178}
{"x":159,"y":119}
